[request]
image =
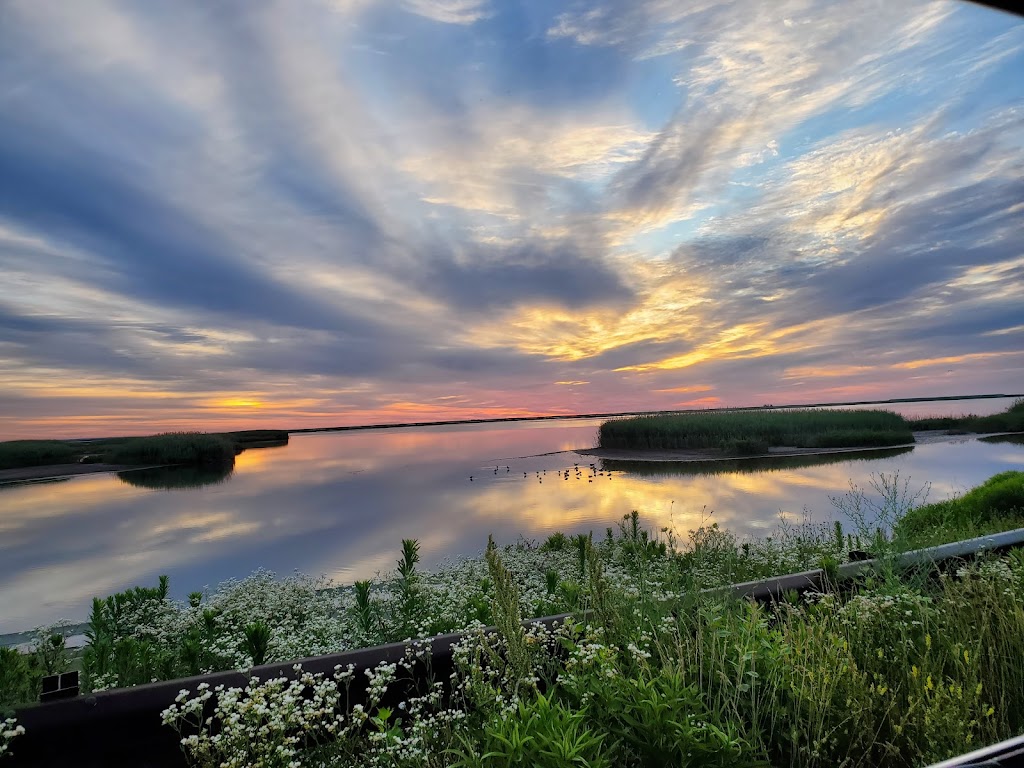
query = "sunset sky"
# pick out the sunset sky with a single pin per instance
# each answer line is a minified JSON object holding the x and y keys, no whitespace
{"x":327,"y":212}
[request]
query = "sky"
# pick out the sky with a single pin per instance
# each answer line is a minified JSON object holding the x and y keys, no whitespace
{"x":327,"y":212}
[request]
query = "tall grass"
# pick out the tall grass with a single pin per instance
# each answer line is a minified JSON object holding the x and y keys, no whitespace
{"x":1010,"y":420}
{"x":197,"y":449}
{"x":995,"y":505}
{"x":33,"y":453}
{"x":899,"y":673}
{"x":192,"y":448}
{"x":751,"y":432}
{"x":261,"y":437}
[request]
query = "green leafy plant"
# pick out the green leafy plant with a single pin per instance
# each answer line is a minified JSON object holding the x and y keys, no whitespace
{"x":257,"y":642}
{"x":538,"y":732}
{"x":20,"y":674}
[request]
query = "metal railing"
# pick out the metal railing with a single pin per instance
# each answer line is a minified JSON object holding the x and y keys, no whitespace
{"x":1005,"y":754}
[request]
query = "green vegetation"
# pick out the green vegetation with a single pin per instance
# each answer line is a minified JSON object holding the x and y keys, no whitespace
{"x":263,"y":438}
{"x":745,"y":433}
{"x":892,"y":669}
{"x":21,"y":673}
{"x":1010,"y":420}
{"x":34,"y":453}
{"x":188,"y":448}
{"x":196,"y":449}
{"x":996,"y":505}
{"x":20,"y":676}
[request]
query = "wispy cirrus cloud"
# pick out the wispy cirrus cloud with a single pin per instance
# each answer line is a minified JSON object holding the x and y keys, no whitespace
{"x":450,"y":11}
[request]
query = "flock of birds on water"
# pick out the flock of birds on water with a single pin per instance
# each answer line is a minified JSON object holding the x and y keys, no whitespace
{"x":591,"y":473}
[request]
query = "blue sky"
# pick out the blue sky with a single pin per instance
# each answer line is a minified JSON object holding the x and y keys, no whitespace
{"x":350,"y":211}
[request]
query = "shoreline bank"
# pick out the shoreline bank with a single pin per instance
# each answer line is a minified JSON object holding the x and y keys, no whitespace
{"x":928,"y":437}
{"x":60,"y":471}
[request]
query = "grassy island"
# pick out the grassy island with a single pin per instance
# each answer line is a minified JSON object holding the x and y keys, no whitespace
{"x":739,"y":433}
{"x":895,"y":668}
{"x":195,"y":449}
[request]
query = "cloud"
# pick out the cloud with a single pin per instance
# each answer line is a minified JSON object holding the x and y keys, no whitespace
{"x":556,"y":274}
{"x":450,"y":11}
{"x":647,"y":196}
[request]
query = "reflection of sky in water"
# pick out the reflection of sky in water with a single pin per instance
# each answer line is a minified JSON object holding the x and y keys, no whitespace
{"x":340,"y":503}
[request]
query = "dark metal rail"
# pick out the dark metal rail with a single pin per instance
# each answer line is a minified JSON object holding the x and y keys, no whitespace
{"x":1005,"y":754}
{"x":123,"y":727}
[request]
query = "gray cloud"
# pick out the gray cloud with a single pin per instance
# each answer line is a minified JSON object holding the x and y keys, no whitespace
{"x":531,"y":273}
{"x":225,"y":195}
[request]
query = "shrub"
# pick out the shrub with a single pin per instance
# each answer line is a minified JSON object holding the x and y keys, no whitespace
{"x":539,"y":732}
{"x":19,"y":679}
{"x":556,"y":542}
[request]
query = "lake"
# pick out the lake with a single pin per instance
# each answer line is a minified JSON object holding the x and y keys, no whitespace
{"x":340,"y":503}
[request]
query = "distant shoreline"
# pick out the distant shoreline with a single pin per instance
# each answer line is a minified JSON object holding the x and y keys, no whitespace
{"x":928,"y":437}
{"x":58,"y":471}
{"x":61,"y":471}
{"x":564,"y":417}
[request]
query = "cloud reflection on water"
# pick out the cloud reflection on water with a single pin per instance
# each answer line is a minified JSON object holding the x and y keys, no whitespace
{"x":340,"y":504}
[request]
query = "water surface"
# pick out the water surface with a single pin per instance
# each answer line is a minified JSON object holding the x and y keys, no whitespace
{"x":340,"y":503}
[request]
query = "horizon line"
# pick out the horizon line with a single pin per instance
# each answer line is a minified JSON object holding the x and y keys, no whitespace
{"x":561,"y":416}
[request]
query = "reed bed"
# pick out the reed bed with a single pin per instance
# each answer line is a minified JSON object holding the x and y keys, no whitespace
{"x":753,"y":432}
{"x":196,"y":449}
{"x":191,"y":448}
{"x":15,"y":454}
{"x":1010,"y":420}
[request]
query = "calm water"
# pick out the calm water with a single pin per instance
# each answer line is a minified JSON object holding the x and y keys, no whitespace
{"x":340,"y":503}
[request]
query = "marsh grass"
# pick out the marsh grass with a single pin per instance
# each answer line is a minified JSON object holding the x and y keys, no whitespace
{"x":1010,"y":420}
{"x":754,"y":432}
{"x":195,"y":449}
{"x":187,"y":448}
{"x":994,"y":506}
{"x":260,"y":437}
{"x":33,"y":453}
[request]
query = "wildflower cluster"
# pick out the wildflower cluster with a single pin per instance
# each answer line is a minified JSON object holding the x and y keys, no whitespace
{"x":9,"y":730}
{"x":143,"y":635}
{"x":892,"y":673}
{"x":269,"y":723}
